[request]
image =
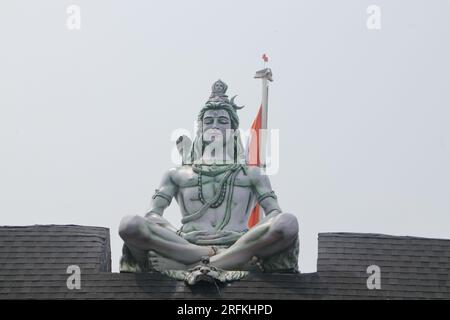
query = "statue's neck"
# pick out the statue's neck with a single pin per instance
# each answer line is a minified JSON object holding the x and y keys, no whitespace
{"x":212,"y":159}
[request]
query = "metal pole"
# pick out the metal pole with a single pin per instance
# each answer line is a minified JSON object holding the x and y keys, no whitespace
{"x":264,"y":123}
{"x":265,"y":75}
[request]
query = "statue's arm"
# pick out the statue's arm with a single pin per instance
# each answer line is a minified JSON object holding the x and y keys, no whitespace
{"x":163,"y":195}
{"x":263,"y":192}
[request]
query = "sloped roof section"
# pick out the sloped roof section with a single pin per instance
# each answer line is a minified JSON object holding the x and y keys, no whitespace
{"x":50,"y":249}
{"x":410,"y":267}
{"x":33,"y":263}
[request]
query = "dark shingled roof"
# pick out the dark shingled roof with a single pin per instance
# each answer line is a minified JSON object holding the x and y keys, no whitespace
{"x":411,"y":267}
{"x":40,"y":250}
{"x":34,"y":260}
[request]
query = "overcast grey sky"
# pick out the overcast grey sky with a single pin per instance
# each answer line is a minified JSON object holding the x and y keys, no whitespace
{"x":86,"y":115}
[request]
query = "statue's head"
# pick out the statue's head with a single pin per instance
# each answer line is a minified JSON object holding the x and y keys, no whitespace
{"x":219,"y":118}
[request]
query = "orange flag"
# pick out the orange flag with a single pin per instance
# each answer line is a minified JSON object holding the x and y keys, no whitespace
{"x":253,"y":159}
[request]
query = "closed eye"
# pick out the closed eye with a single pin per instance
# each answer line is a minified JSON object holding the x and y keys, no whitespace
{"x":208,"y":120}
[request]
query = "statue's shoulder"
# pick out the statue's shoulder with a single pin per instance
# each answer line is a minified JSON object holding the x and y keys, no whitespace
{"x":255,"y":173}
{"x":180,"y":173}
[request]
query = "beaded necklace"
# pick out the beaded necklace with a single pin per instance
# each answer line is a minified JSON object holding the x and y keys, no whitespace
{"x":214,"y":170}
{"x":219,"y":201}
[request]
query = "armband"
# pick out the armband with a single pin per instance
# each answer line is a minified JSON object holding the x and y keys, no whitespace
{"x":162,"y":195}
{"x":270,"y":194}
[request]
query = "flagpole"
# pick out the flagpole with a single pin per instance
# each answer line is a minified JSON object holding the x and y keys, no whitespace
{"x":260,"y":123}
{"x":265,"y":75}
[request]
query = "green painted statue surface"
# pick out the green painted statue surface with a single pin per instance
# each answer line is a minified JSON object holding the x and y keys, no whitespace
{"x":216,"y":191}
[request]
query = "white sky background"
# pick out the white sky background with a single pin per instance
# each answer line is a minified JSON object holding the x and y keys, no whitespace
{"x":86,"y":116}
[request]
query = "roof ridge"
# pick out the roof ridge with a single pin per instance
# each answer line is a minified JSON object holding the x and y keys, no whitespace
{"x":374,"y":235}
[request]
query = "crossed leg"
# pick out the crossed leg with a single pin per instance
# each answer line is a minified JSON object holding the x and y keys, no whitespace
{"x":267,"y":238}
{"x":144,"y":234}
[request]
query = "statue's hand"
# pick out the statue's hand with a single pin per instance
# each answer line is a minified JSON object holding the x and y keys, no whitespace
{"x":194,"y":236}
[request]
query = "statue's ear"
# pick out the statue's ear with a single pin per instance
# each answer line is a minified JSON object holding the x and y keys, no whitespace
{"x":184,"y":145}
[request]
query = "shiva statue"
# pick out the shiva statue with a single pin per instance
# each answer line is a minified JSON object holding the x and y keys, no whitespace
{"x":216,"y":190}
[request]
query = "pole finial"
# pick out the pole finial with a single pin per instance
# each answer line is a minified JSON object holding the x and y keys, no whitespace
{"x":264,"y":74}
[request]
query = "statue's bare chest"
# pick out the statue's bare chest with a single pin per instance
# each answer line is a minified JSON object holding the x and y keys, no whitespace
{"x":196,"y":189}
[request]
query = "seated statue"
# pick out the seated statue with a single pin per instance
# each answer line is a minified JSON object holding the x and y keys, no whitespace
{"x":216,"y":191}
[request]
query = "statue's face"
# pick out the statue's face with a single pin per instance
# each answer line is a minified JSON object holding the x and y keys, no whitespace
{"x":215,"y":125}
